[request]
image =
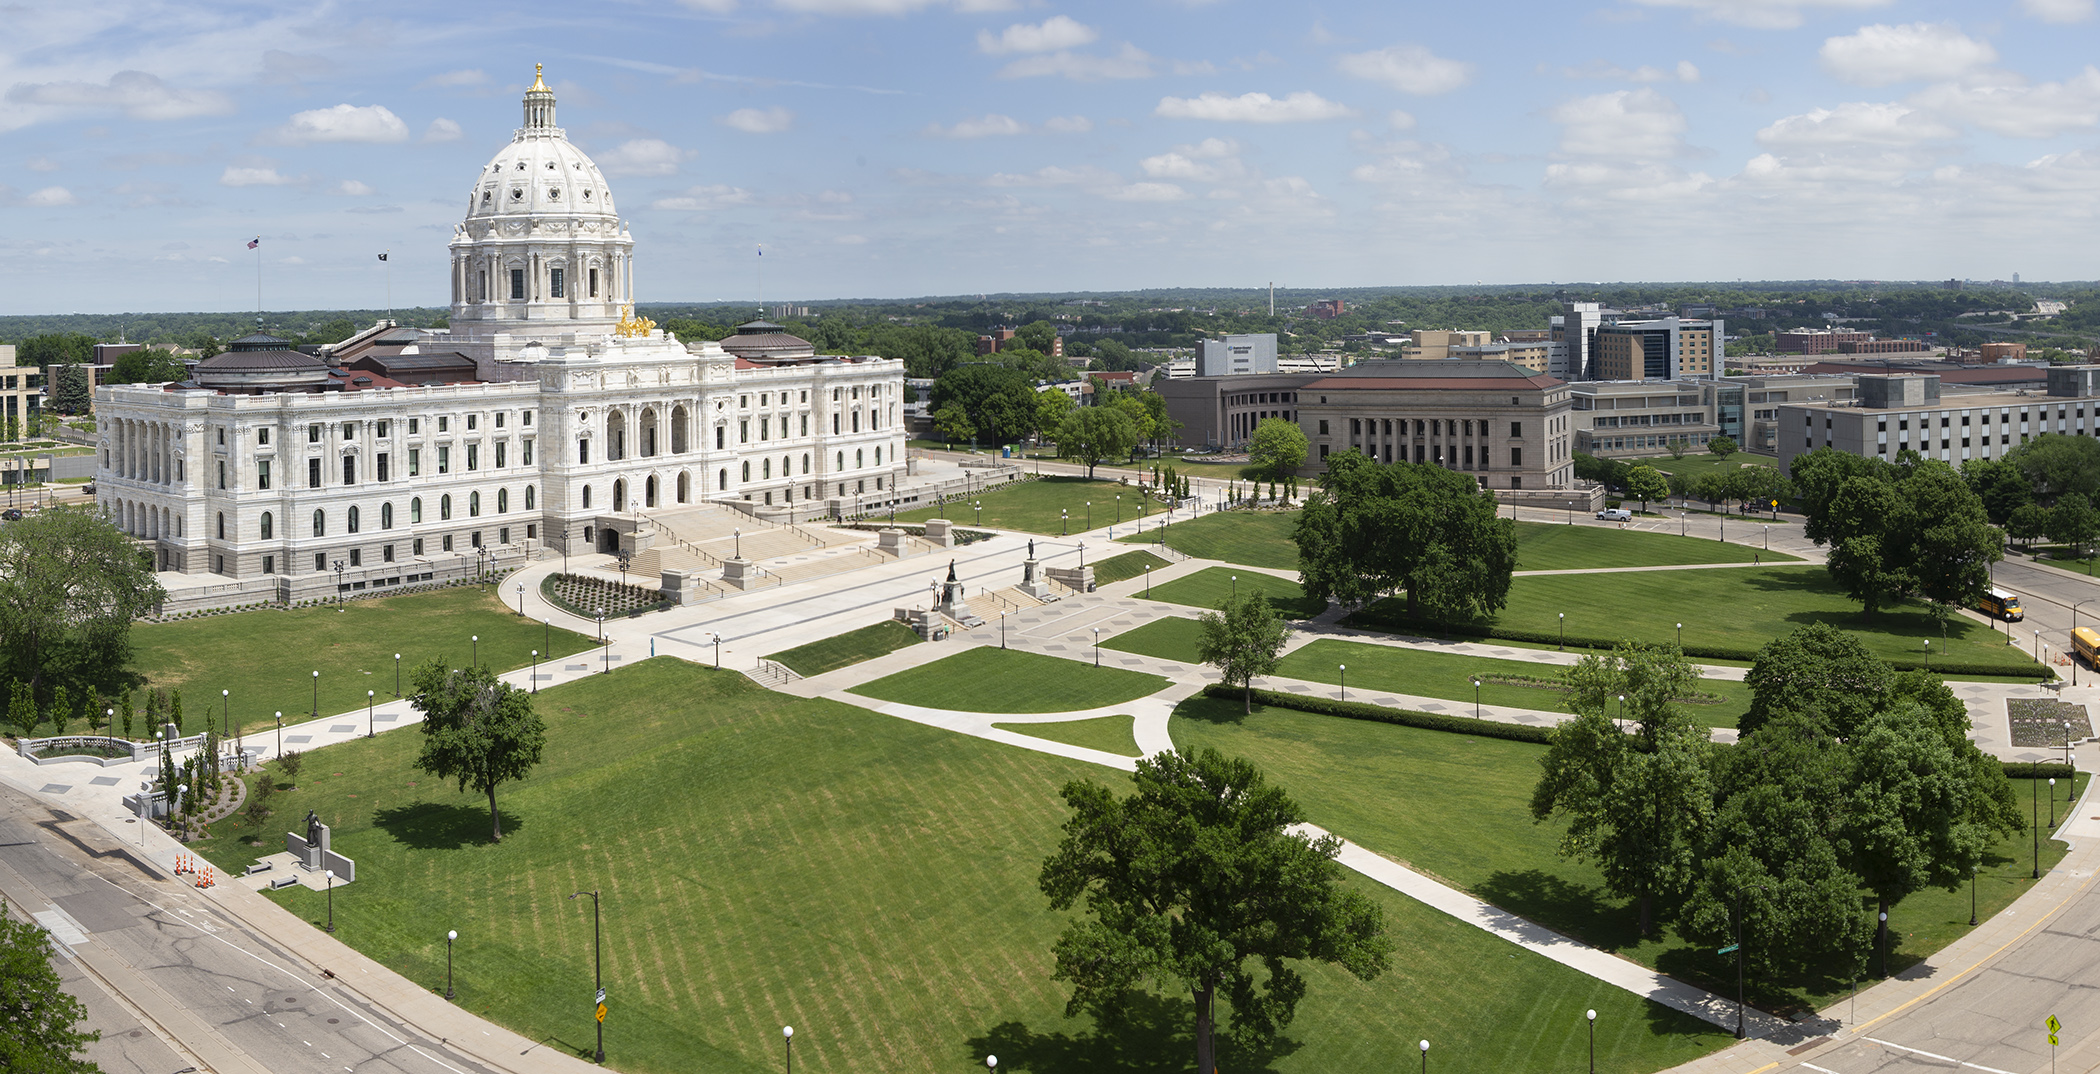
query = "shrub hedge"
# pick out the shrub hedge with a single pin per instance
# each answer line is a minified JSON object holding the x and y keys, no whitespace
{"x":1357,"y":710}
{"x":1396,"y":624}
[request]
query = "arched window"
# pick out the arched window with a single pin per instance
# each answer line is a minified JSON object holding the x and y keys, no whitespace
{"x":353,"y":520}
{"x":787,"y":466}
{"x":860,"y":458}
{"x":842,"y":461}
{"x":386,"y":516}
{"x":586,"y":495}
{"x":805,"y":462}
{"x":415,"y":510}
{"x":268,"y":526}
{"x":502,"y":500}
{"x":765,"y":468}
{"x":528,"y":497}
{"x":320,"y":523}
{"x":747,"y":470}
{"x":685,"y":486}
{"x":722,"y":482}
{"x":222,"y":525}
{"x":878,"y":456}
{"x":445,"y":506}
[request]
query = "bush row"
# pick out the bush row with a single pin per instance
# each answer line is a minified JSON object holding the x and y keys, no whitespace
{"x":1357,"y":710}
{"x":1372,"y":620}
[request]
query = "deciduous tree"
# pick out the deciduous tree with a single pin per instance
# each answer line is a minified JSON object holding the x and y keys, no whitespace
{"x":70,"y":585}
{"x":1242,"y":640}
{"x":1645,"y":483}
{"x":1092,"y":434}
{"x":1723,"y":446}
{"x":1194,"y":876}
{"x":477,"y":730}
{"x":1370,"y":529}
{"x":39,"y":1030}
{"x":1276,"y":449}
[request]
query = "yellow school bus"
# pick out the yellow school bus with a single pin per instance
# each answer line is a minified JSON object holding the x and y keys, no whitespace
{"x":2086,"y":645}
{"x":1999,"y":604}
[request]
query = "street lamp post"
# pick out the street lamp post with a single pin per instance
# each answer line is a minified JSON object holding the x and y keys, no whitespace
{"x":1563,"y":630}
{"x":606,"y":642}
{"x":979,"y":505}
{"x":1064,"y":521}
{"x":330,"y":875}
{"x":1097,"y":663}
{"x":718,"y":650}
{"x":450,"y":936}
{"x":1972,"y":896}
{"x":2034,"y":769}
{"x":1119,"y":508}
{"x":1476,"y":697}
{"x":370,"y":726}
{"x":1082,"y":555}
{"x":1680,"y":636}
{"x":226,"y":724}
{"x":1592,"y":1014}
{"x":1884,"y":938}
{"x":280,"y":734}
{"x":2037,"y":646}
{"x":1425,"y":1057}
{"x":475,"y":641}
{"x":397,"y":674}
{"x":2052,"y":801}
{"x":787,"y":1033}
{"x":597,"y":966}
{"x":521,"y":600}
{"x":535,"y":671}
{"x":1342,"y":676}
{"x":1090,"y":514}
{"x":339,"y":585}
{"x":1002,"y":630}
{"x":1928,"y":654}
{"x":317,"y":695}
{"x":1148,"y":581}
{"x":1235,"y":587}
{"x":738,"y":533}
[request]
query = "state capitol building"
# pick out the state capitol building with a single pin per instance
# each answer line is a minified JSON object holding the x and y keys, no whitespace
{"x":545,"y":412}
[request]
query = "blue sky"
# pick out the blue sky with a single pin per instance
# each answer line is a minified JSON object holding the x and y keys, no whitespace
{"x":890,"y":148}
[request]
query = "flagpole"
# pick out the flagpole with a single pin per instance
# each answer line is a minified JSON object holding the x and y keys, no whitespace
{"x":761,"y":281}
{"x":258,"y":282}
{"x":389,"y":282}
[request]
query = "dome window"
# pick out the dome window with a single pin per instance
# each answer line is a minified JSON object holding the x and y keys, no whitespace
{"x":484,"y":197}
{"x":553,"y":193}
{"x":586,"y":195}
{"x":521,"y":165}
{"x":550,"y":165}
{"x":517,"y":193}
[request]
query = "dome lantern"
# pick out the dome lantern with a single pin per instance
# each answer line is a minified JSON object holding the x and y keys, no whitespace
{"x":539,"y":101}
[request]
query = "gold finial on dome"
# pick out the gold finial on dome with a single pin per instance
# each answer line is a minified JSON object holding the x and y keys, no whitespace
{"x":539,"y":82}
{"x":631,"y":326}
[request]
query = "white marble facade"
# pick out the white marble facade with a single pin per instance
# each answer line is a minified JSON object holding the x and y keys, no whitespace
{"x":571,"y":421}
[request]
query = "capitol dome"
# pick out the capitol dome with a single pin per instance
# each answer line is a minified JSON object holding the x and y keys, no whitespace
{"x":541,"y":251}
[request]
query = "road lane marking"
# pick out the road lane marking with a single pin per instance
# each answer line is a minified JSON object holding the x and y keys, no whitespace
{"x":1936,"y":1055}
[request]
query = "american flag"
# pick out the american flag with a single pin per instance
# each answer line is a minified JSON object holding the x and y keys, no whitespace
{"x":255,"y":242}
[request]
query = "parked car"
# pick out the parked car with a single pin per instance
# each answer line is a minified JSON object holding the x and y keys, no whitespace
{"x":12,"y":514}
{"x":1615,"y":514}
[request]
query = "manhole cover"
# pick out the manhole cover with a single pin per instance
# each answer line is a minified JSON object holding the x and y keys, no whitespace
{"x":290,"y":1001}
{"x":136,"y":1033}
{"x":333,"y":1021}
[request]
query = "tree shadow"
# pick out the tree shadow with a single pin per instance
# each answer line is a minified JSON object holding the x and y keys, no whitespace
{"x":1579,"y":911}
{"x":1213,"y":710}
{"x":1147,"y":1033}
{"x":443,"y":826}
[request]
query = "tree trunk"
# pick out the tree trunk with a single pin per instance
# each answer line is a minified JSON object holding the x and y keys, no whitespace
{"x":1247,"y":696}
{"x":495,"y":818}
{"x":1647,"y":903}
{"x":1206,"y":1050}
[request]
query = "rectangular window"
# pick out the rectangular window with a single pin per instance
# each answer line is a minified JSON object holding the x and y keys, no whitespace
{"x":262,"y":475}
{"x":320,"y":561}
{"x":525,"y":453}
{"x":1516,"y":428}
{"x":473,"y":456}
{"x":313,"y":434}
{"x":357,"y":557}
{"x":1323,"y":432}
{"x":594,"y":283}
{"x":414,"y":424}
{"x":525,"y":417}
{"x":313,"y":473}
{"x":222,"y":475}
{"x":474,"y":539}
{"x":386,"y":553}
{"x":349,"y":469}
{"x":381,"y":432}
{"x":473,"y":422}
{"x":446,"y":543}
{"x":444,"y":424}
{"x":554,"y":282}
{"x":500,"y":445}
{"x":415,"y":547}
{"x":583,"y":451}
{"x":415,"y":462}
{"x":349,"y":430}
{"x":499,"y":419}
{"x":444,"y":459}
{"x":517,"y":285}
{"x":269,"y":564}
{"x":380,"y":463}
{"x":262,"y":436}
{"x":743,"y":431}
{"x":1516,"y":456}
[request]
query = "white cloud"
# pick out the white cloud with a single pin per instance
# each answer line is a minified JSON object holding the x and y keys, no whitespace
{"x":643,"y":156}
{"x":135,"y":93}
{"x":442,"y":130}
{"x":351,"y":188}
{"x":851,"y":240}
{"x":1638,"y":124}
{"x":1400,"y":121}
{"x":1762,"y":14}
{"x":2005,"y":105}
{"x":1685,"y":71}
{"x":702,"y":198}
{"x":1857,"y":124}
{"x":371,"y":123}
{"x":987,"y":126}
{"x":1068,"y":124}
{"x":253,"y":175}
{"x":1053,"y":33}
{"x":759,"y":120}
{"x":1057,"y":175}
{"x":41,"y":164}
{"x":2058,"y":11}
{"x":1128,"y":62}
{"x":1302,"y":106}
{"x":1148,"y":192}
{"x":1211,"y":160}
{"x":473,"y":76}
{"x":1407,"y":68}
{"x":1880,"y":54}
{"x":50,"y":197}
{"x":874,"y":7}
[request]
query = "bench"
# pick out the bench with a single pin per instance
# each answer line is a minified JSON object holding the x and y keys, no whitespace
{"x":277,"y":882}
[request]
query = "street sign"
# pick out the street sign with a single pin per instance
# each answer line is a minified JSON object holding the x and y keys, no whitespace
{"x":601,"y":997}
{"x":1728,"y":950}
{"x":601,"y":1012}
{"x":2054,"y":1025}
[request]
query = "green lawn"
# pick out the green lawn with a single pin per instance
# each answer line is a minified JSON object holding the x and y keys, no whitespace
{"x":1032,"y":506}
{"x":1702,"y":461}
{"x":768,"y":860}
{"x":1109,"y":734}
{"x":1255,"y":538}
{"x":1172,"y":638}
{"x":1455,"y":807}
{"x":1545,"y":547}
{"x":1127,"y":565}
{"x":848,"y":649}
{"x":267,"y":658}
{"x":1212,"y":586}
{"x":1450,"y":676}
{"x":1740,"y":608}
{"x":1009,"y":680}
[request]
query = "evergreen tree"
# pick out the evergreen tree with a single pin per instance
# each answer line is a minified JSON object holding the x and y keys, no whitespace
{"x":175,"y":711}
{"x":21,"y":708}
{"x":61,"y":709}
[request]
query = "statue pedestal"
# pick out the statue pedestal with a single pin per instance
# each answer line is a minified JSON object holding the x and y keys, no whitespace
{"x":738,"y":573}
{"x":1032,"y":582}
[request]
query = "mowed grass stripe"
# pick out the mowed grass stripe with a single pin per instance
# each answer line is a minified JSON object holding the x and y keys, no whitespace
{"x":868,"y":880}
{"x":985,"y":679}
